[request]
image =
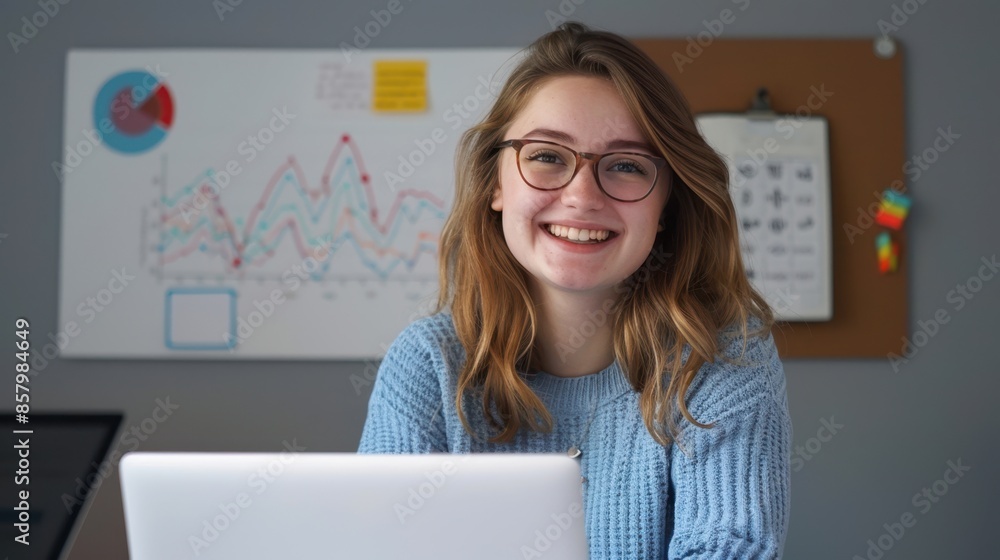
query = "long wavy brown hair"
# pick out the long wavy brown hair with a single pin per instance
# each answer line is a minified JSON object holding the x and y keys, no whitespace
{"x":698,"y":292}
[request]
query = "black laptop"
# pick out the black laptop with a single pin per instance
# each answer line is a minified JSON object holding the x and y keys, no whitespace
{"x":60,"y":464}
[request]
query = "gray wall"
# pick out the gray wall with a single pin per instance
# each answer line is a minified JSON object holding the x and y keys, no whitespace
{"x":900,"y":429}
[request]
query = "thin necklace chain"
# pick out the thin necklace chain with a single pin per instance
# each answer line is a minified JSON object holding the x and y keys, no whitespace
{"x":574,"y":450}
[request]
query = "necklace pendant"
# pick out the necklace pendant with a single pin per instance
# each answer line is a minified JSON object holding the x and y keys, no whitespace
{"x":574,"y":452}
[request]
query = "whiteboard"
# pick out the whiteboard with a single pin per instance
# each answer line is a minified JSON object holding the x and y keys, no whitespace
{"x":779,"y":172}
{"x":228,"y":204}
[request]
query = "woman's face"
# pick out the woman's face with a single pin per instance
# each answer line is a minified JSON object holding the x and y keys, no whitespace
{"x":585,"y":114}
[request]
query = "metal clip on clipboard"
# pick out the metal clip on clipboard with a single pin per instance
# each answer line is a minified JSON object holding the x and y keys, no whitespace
{"x":760,"y":107}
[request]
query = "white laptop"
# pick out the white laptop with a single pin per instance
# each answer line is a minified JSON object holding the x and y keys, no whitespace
{"x":342,"y":505}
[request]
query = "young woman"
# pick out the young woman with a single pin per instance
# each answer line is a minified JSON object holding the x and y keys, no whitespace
{"x":593,"y":301}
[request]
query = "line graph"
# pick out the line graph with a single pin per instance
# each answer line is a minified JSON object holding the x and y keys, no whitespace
{"x":291,"y":219}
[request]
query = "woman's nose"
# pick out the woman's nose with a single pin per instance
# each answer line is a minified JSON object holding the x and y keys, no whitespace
{"x":583,"y":192}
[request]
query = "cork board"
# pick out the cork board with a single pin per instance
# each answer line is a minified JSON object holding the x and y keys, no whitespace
{"x":864,"y":106}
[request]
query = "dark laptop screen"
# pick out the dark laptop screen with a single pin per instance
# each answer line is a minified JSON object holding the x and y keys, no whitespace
{"x":64,"y":456}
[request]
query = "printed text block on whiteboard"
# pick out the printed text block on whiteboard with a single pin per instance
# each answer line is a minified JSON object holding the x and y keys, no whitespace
{"x":200,"y":318}
{"x":779,"y":173}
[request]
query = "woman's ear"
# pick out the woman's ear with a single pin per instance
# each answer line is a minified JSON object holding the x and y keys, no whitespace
{"x":497,"y":202}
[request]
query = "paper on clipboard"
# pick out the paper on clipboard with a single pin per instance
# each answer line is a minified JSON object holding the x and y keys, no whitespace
{"x":780,"y":183}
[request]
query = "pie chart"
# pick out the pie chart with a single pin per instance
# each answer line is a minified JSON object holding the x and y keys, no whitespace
{"x":133,"y":112}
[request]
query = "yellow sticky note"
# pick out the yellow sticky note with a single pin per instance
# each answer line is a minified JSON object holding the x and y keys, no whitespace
{"x":400,"y":86}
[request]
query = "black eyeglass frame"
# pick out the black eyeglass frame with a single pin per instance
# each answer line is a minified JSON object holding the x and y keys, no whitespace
{"x":518,"y":143}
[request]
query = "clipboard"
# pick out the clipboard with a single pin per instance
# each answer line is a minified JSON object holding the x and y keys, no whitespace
{"x":779,"y":170}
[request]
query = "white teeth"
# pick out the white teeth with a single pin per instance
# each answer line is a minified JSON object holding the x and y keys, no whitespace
{"x":575,"y":234}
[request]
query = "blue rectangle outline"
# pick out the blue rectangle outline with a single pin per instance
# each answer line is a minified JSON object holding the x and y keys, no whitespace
{"x":187,"y":291}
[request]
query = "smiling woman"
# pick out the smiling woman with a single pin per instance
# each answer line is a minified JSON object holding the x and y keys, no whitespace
{"x":593,"y":301}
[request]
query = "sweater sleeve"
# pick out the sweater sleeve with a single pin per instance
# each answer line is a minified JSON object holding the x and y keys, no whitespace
{"x":731,"y":481}
{"x":405,"y":408}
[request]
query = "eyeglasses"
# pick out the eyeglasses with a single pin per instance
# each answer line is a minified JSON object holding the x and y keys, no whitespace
{"x":623,"y":176}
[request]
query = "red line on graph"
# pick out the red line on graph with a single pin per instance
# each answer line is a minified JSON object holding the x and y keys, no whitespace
{"x":314,"y":196}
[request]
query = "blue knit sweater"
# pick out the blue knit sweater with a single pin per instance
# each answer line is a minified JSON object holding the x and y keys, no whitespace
{"x":725,"y":495}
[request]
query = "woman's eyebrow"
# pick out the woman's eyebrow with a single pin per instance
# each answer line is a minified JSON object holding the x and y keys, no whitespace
{"x":629,"y":145}
{"x":617,"y":144}
{"x":553,"y":134}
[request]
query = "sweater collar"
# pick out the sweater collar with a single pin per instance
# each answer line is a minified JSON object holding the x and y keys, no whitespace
{"x":578,"y":395}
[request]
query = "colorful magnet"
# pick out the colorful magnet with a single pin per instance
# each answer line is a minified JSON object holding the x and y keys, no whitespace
{"x":888,"y":253}
{"x":893,"y":209}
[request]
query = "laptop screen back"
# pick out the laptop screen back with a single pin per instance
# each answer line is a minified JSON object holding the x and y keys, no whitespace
{"x":330,"y":505}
